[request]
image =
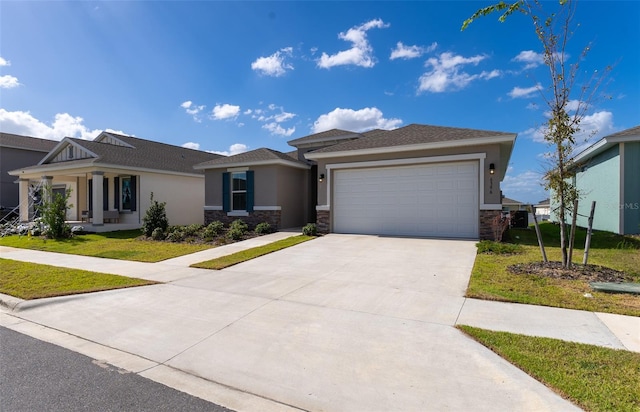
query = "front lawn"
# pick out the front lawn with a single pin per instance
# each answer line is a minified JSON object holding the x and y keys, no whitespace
{"x":124,"y":245}
{"x":594,"y":378}
{"x":490,"y":279}
{"x":26,"y":280}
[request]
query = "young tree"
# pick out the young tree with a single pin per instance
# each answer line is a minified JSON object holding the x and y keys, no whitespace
{"x":54,"y":213}
{"x":566,"y":100}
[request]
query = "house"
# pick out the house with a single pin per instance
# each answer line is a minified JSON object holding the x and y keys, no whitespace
{"x":608,"y":172}
{"x":417,"y":180}
{"x":543,"y":209}
{"x":18,"y":151}
{"x":111,"y":180}
{"x":511,"y":205}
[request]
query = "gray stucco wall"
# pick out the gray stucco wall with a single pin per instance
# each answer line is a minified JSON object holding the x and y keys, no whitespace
{"x":12,"y":159}
{"x":631,"y":206}
{"x":293,"y":196}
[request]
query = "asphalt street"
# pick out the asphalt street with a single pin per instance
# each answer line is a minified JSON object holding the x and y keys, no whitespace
{"x":39,"y":376}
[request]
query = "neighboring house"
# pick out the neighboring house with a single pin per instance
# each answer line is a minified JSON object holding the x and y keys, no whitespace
{"x":510,"y":205}
{"x":417,"y":180}
{"x":543,"y":210}
{"x":18,"y":151}
{"x":111,"y":180}
{"x":609,"y":174}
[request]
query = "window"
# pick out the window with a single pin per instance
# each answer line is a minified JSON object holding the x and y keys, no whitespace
{"x":127,"y":187}
{"x":239,"y":191}
{"x":70,"y":155}
{"x":126,"y":193}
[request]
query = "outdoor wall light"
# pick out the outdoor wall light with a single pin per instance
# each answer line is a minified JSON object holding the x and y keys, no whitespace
{"x":321,"y":178}
{"x":492,"y":168}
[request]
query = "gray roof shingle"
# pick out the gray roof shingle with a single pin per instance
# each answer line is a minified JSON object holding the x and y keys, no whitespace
{"x":26,"y":142}
{"x":253,"y":156}
{"x":326,"y":135}
{"x":410,"y":135}
{"x":634,"y":131}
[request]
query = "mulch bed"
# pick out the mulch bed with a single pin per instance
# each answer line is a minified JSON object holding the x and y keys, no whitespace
{"x":589,"y":273}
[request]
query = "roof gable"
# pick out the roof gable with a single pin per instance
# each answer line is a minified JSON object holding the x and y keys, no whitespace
{"x":260,"y":156}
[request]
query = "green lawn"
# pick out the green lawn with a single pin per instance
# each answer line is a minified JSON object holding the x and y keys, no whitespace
{"x":594,"y":378}
{"x":242,"y":256}
{"x":490,"y":279}
{"x":123,"y":245}
{"x":26,"y":280}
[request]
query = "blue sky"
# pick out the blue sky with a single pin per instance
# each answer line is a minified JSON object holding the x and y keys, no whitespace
{"x":235,"y":76}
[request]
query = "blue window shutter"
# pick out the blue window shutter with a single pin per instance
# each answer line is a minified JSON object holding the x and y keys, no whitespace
{"x":116,"y":193}
{"x":250,"y":191}
{"x":226,"y":191}
{"x":105,"y":194}
{"x":90,"y":194}
{"x":134,"y":194}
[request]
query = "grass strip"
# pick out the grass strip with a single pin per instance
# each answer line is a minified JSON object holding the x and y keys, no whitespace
{"x":593,"y":377}
{"x":244,"y":255}
{"x":123,"y":245}
{"x":27,"y":280}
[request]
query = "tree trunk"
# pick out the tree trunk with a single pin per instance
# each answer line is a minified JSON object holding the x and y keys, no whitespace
{"x":572,"y":236}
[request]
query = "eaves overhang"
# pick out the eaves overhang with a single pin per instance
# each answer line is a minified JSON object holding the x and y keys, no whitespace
{"x":280,"y":162}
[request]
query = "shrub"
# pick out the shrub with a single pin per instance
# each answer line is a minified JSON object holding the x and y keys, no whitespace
{"x":239,"y":225}
{"x":54,"y":213}
{"x":157,"y":234}
{"x":155,"y":217}
{"x":310,"y":229}
{"x":235,"y":233}
{"x":175,"y":235}
{"x":213,"y":229}
{"x":263,"y":228}
{"x":192,"y":230}
{"x":498,"y":248}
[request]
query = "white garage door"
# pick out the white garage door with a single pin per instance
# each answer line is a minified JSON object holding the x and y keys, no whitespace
{"x":437,"y":199}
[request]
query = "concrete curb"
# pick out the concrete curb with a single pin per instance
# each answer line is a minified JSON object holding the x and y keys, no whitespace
{"x":10,"y":302}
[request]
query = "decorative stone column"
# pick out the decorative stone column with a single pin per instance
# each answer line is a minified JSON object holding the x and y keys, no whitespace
{"x":97,"y":198}
{"x":23,"y":187}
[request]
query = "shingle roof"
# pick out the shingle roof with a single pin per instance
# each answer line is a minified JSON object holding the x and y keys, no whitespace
{"x":326,"y":135}
{"x":634,"y":131}
{"x":507,"y":201}
{"x":26,"y":142}
{"x":411,"y":135}
{"x":254,"y":156}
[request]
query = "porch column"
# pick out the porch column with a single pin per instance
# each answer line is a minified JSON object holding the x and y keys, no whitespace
{"x":96,"y":195}
{"x":23,"y":188}
{"x":47,"y":194}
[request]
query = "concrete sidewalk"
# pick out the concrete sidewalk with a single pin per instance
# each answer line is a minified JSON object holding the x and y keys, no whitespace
{"x":343,"y":322}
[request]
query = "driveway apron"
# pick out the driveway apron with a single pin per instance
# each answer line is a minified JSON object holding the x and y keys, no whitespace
{"x":343,"y":322}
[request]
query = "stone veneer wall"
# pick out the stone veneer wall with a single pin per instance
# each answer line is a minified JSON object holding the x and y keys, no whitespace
{"x":272,"y":217}
{"x":486,"y":218}
{"x":322,"y":220}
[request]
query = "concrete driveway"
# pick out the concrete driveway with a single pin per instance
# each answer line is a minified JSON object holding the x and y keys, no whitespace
{"x":340,"y":323}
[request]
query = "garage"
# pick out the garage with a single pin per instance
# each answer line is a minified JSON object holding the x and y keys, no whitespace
{"x":431,"y":200}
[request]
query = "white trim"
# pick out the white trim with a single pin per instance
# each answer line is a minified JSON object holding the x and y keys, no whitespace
{"x":237,"y":169}
{"x":248,"y":164}
{"x":325,"y":208}
{"x":60,"y":147}
{"x":490,"y":207}
{"x":237,"y":213}
{"x":413,"y":147}
{"x":64,"y":168}
{"x":267,"y":208}
{"x":416,"y":161}
{"x":213,"y":208}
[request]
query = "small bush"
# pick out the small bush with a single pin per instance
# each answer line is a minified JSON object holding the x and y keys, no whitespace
{"x":213,"y":229}
{"x":310,"y":229}
{"x":175,"y":235}
{"x":239,"y":225}
{"x":192,"y":230}
{"x":263,"y":228}
{"x":155,"y":217}
{"x":54,"y":213}
{"x":157,"y":234}
{"x":488,"y":246}
{"x":235,"y":233}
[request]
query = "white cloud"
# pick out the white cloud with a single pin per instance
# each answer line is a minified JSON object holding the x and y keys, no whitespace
{"x":527,"y":186}
{"x":8,"y":82}
{"x":192,"y":145}
{"x":277,"y":130}
{"x":274,"y":65}
{"x":354,"y":120}
{"x":225,"y":111}
{"x":530,"y":58}
{"x":446,"y":73}
{"x":407,"y":52}
{"x":361,"y":52}
{"x":4,"y":62}
{"x":592,"y":128}
{"x":193,"y":110}
{"x":522,"y":92}
{"x":234,"y":149}
{"x":64,"y":125}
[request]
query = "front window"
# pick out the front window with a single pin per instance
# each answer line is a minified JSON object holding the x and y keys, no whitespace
{"x":239,"y":191}
{"x":125,"y":184}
